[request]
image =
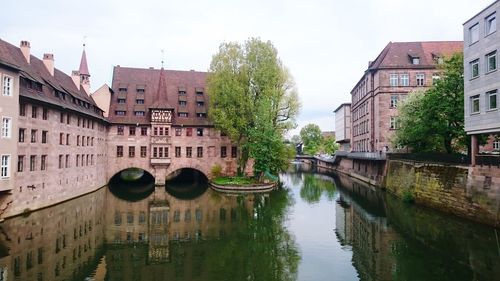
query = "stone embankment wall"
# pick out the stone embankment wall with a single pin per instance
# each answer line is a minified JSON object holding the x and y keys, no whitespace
{"x":469,"y":192}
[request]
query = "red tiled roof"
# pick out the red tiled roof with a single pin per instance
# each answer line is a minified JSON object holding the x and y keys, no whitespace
{"x":399,"y":54}
{"x":161,"y":90}
{"x":12,"y":56}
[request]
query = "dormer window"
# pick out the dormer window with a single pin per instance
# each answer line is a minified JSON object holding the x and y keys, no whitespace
{"x":415,"y":60}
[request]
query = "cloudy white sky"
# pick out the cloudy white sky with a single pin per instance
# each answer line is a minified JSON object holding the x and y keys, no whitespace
{"x":326,"y":44}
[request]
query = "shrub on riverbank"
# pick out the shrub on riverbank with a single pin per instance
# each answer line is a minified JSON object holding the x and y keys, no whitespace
{"x":237,"y":181}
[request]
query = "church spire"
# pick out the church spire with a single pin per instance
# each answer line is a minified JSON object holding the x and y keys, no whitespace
{"x":84,"y":72}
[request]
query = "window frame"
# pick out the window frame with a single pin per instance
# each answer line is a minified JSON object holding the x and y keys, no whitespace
{"x":393,"y":80}
{"x":474,"y":27}
{"x":7,"y":89}
{"x":488,"y":65}
{"x":489,"y":95}
{"x":489,"y":23}
{"x":6,"y":127}
{"x":5,"y":166}
{"x":420,"y":79}
{"x":406,"y":79}
{"x":474,"y":65}
{"x":473,"y":100}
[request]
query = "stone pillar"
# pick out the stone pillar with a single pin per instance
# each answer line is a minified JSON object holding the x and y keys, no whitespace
{"x":160,"y":174}
{"x":473,"y":150}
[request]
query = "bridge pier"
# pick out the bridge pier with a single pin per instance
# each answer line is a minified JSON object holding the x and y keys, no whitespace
{"x":160,"y":174}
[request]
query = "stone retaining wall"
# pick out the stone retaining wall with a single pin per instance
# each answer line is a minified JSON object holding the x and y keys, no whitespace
{"x":469,"y":192}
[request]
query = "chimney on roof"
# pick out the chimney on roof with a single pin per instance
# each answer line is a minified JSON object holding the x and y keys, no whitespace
{"x":25,"y":49}
{"x":48,"y":61}
{"x":75,"y":76}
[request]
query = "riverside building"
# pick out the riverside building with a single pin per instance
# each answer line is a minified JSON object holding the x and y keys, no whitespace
{"x":482,"y":78}
{"x":58,"y":141}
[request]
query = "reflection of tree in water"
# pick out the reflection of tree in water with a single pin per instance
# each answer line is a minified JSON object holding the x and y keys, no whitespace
{"x":261,"y":248}
{"x":314,"y":186}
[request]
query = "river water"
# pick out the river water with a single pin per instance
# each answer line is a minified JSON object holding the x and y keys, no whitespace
{"x":316,"y":226}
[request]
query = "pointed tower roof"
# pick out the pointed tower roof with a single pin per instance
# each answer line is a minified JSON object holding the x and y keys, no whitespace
{"x":161,"y":98}
{"x":84,"y":69}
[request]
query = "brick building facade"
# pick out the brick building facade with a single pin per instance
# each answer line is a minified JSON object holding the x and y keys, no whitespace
{"x":401,"y":67}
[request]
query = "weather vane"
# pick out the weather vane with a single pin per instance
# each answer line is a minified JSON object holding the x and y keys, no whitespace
{"x":162,"y":57}
{"x":84,"y":39}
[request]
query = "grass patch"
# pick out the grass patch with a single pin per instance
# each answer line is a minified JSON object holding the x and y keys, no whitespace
{"x":237,"y":181}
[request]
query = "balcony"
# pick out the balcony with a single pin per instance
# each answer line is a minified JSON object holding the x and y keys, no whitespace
{"x":160,"y":161}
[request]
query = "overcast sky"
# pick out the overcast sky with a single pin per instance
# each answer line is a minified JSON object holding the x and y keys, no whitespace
{"x":326,"y":44}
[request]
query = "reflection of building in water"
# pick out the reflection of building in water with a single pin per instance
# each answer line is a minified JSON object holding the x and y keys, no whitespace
{"x":59,"y":243}
{"x":361,"y":224}
{"x":176,"y":233}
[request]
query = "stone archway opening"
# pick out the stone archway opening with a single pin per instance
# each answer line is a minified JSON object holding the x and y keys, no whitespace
{"x":132,"y":184}
{"x":186,"y":183}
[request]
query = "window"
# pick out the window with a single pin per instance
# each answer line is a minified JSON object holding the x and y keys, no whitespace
{"x":405,"y":80}
{"x":393,"y":123}
{"x":60,"y":161}
{"x":44,"y":136}
{"x":435,"y":78}
{"x":223,"y":152}
{"x":131,"y":130}
{"x":394,"y":101}
{"x":161,"y":131}
{"x":420,"y":77}
{"x":199,"y":152}
{"x":393,"y":80}
{"x":143,"y":151}
{"x":144,"y":131}
{"x":474,"y":101}
{"x":20,"y":163}
{"x":496,"y":144}
{"x":474,"y":34}
{"x":33,"y":135}
{"x":122,"y":89}
{"x":491,"y":99}
{"x":67,"y":161}
{"x":22,"y":109}
{"x":139,"y":101}
{"x":182,"y":114}
{"x":178,"y":131}
{"x":155,"y":152}
{"x":21,"y":134}
{"x":199,"y":132}
{"x":490,"y":24}
{"x":68,"y":119}
{"x":177,"y":151}
{"x":201,"y":115}
{"x":6,"y":127}
{"x":45,"y":113}
{"x":61,"y":117}
{"x":491,"y":61}
{"x":182,"y":103}
{"x":77,"y":160}
{"x":139,"y":113}
{"x":200,"y":103}
{"x":43,"y":163}
{"x":119,"y":151}
{"x":131,"y":151}
{"x":415,"y":60}
{"x":189,"y":132}
{"x":5,"y":166}
{"x":234,"y":151}
{"x":67,"y":139}
{"x":34,"y":111}
{"x":166,"y":151}
{"x":189,"y":152}
{"x":7,"y":86}
{"x":122,"y":101}
{"x":182,"y":93}
{"x":61,"y":138}
{"x":120,"y":112}
{"x":199,"y":92}
{"x":32,"y":162}
{"x":119,"y":129}
{"x":474,"y":68}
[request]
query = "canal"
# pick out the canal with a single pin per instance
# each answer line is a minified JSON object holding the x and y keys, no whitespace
{"x":316,"y":226}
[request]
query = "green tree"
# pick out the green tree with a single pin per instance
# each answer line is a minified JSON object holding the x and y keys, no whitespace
{"x":434,"y":121}
{"x":254,"y":101}
{"x":328,"y":145}
{"x":295,"y":139}
{"x":311,"y":136}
